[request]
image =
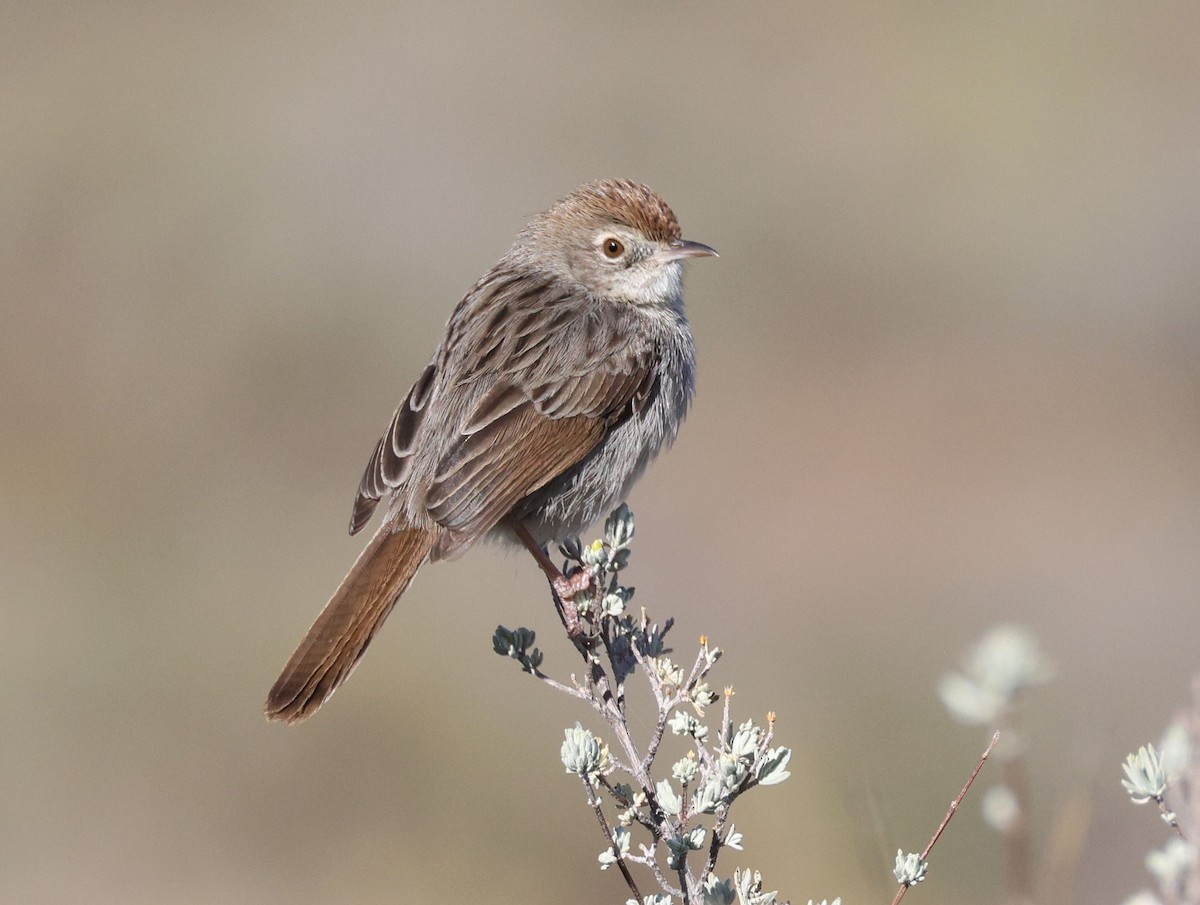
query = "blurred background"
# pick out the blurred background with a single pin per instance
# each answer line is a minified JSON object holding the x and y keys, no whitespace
{"x":948,"y":379}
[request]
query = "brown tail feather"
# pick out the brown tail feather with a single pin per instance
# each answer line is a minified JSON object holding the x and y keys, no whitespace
{"x":338,"y":638}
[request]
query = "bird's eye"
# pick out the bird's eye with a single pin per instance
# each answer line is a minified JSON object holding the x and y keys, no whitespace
{"x":613,"y":248}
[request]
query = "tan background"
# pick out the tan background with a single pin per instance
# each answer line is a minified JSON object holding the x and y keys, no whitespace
{"x":948,"y":378}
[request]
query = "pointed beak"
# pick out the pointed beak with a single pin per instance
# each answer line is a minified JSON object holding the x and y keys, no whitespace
{"x":682,"y":248}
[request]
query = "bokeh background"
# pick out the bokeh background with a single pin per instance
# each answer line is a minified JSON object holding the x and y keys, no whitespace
{"x":948,"y":380}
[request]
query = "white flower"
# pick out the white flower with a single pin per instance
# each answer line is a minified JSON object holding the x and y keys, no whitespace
{"x":1145,"y":778}
{"x":910,"y":869}
{"x":1171,"y":863}
{"x":582,"y":753}
{"x":1005,"y":661}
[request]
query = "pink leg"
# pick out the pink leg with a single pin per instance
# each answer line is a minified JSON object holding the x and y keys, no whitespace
{"x":564,"y":588}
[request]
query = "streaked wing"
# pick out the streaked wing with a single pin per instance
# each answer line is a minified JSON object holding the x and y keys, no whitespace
{"x":500,"y":326}
{"x":391,"y":462}
{"x":552,"y":377}
{"x":518,"y":439}
{"x":493,"y":469}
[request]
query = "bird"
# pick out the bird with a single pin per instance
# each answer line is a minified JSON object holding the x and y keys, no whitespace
{"x":561,"y":375}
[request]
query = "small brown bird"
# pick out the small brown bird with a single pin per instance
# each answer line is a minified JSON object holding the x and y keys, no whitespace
{"x":561,"y":374}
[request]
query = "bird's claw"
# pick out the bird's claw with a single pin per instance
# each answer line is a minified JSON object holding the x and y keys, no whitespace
{"x":566,"y":587}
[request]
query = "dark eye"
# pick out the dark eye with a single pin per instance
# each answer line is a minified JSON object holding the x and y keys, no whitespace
{"x":613,"y":248}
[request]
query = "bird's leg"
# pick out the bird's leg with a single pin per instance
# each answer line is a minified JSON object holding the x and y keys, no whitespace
{"x":564,"y":588}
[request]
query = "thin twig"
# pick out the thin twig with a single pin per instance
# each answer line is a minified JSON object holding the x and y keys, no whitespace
{"x":636,"y":814}
{"x":695,"y":675}
{"x":951,"y":812}
{"x":557,"y":685}
{"x":714,"y":847}
{"x":656,"y":737}
{"x":961,"y":795}
{"x":622,"y":766}
{"x":1170,"y":818}
{"x":685,"y":881}
{"x":663,"y":883}
{"x":594,"y":801}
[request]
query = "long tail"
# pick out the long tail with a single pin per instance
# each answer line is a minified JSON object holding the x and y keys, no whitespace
{"x":338,"y":638}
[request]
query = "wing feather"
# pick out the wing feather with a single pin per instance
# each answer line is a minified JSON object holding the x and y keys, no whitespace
{"x":391,"y":463}
{"x":528,"y":450}
{"x":519,"y":438}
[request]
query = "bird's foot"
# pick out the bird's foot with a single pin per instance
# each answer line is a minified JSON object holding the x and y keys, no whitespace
{"x":566,"y":587}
